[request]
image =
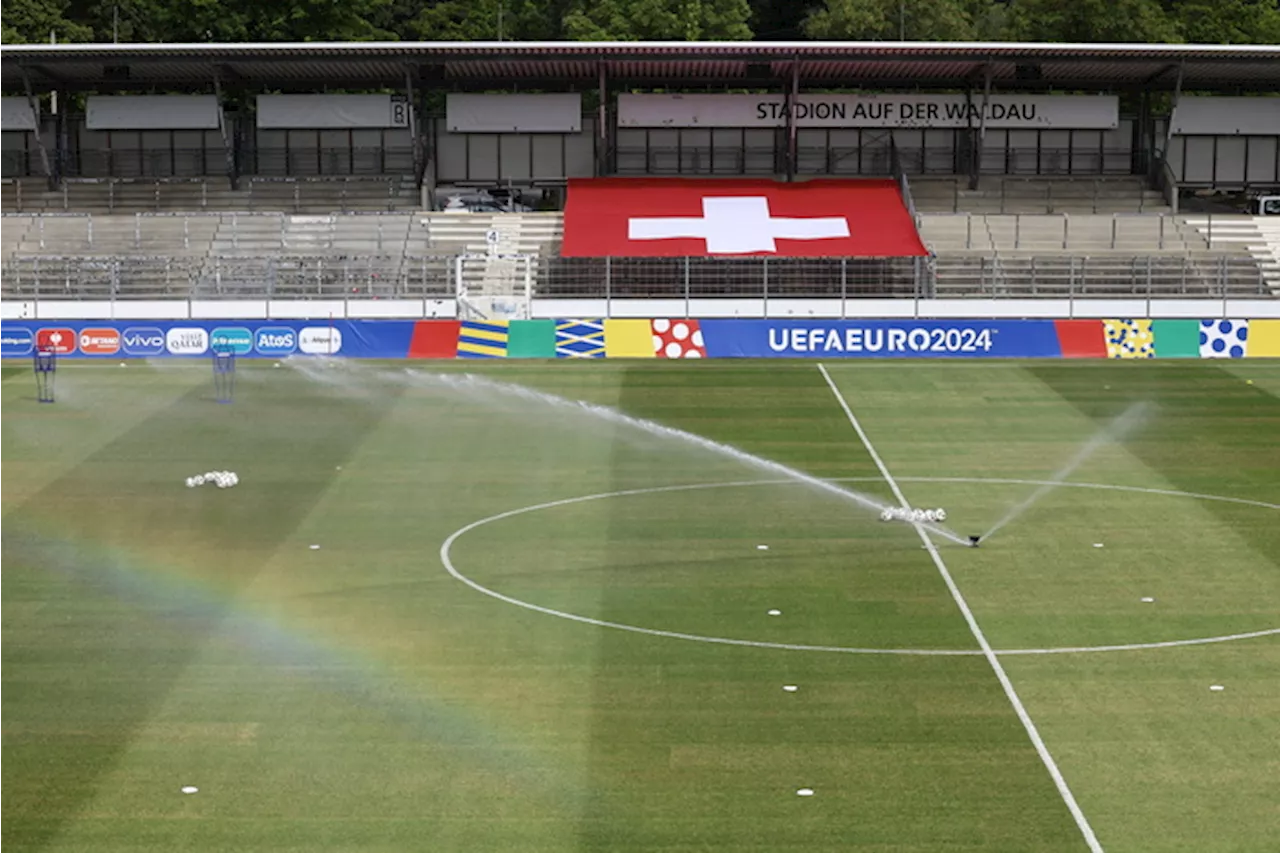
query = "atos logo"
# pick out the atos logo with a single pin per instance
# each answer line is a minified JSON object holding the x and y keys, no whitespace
{"x":275,"y":340}
{"x":15,"y":341}
{"x":236,"y":339}
{"x":57,"y":340}
{"x":99,"y":341}
{"x":143,"y":340}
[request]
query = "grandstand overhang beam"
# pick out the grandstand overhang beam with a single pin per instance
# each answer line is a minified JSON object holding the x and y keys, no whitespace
{"x":871,"y":65}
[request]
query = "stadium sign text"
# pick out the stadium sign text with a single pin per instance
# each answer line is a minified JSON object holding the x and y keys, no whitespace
{"x":1098,"y":112}
{"x":889,"y":340}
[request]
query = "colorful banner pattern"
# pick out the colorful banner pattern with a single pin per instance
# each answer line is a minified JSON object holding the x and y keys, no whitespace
{"x":661,"y":338}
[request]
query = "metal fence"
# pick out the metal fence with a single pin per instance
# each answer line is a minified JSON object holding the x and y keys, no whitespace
{"x":301,"y":276}
{"x":1109,"y":276}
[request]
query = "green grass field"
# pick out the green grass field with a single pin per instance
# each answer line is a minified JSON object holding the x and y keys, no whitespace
{"x":357,"y":697}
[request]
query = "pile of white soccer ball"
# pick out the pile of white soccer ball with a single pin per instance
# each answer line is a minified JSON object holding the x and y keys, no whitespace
{"x":897,"y":513}
{"x":221,"y":479}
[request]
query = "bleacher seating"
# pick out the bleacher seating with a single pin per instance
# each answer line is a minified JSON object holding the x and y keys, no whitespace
{"x":222,"y":254}
{"x":297,"y":195}
{"x":1042,"y":195}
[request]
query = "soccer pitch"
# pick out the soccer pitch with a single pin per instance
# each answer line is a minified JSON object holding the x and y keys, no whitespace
{"x":473,"y":660}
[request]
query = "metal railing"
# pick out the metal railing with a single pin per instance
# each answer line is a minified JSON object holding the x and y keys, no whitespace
{"x":341,"y":194}
{"x":211,"y":160}
{"x":1092,"y":277}
{"x":302,"y":276}
{"x":1080,"y":232}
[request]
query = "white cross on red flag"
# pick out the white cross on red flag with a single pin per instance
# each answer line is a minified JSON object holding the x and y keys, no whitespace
{"x":675,"y":217}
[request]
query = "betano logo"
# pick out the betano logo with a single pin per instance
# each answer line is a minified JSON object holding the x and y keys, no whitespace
{"x":143,"y":340}
{"x":237,"y":339}
{"x":186,"y":341}
{"x":16,"y":341}
{"x":99,"y":341}
{"x":275,"y":340}
{"x":59,"y":340}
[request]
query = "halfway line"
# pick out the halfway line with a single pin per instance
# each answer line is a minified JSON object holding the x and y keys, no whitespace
{"x":1081,"y":821}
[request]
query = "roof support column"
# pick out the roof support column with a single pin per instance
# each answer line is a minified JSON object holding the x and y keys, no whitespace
{"x":1173,"y":108}
{"x":793,"y":98}
{"x":602,"y":124}
{"x":228,"y":146}
{"x":975,"y":172}
{"x":34,"y":106}
{"x":415,"y":140}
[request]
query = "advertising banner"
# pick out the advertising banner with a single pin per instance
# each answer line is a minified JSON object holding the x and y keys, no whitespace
{"x":1067,"y":112}
{"x":678,"y":338}
{"x":194,"y":338}
{"x":880,"y":339}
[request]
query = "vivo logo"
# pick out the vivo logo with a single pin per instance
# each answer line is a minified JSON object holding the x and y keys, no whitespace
{"x":143,"y":340}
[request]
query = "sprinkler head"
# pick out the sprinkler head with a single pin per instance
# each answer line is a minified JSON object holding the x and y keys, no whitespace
{"x":974,"y":540}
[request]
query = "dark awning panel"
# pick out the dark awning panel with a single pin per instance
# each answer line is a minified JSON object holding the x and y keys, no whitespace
{"x":533,"y":64}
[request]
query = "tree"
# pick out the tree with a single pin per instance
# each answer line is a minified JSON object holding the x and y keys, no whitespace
{"x":657,"y":20}
{"x":31,"y":21}
{"x":912,"y":20}
{"x":1092,"y":21}
{"x":154,"y":21}
{"x":1228,"y":21}
{"x":483,"y":20}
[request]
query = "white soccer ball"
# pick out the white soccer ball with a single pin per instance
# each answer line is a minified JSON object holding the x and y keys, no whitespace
{"x":942,"y":514}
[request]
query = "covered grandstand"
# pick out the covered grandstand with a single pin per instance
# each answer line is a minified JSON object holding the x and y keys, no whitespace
{"x":1075,"y":171}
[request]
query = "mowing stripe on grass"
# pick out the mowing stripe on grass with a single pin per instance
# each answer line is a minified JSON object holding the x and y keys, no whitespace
{"x":1081,"y":821}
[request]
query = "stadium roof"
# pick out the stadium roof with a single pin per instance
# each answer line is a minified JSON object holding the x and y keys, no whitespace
{"x":464,"y":65}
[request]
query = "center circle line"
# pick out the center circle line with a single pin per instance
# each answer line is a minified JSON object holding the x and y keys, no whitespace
{"x":447,"y":561}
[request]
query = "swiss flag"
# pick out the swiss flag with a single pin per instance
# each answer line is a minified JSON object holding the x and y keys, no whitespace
{"x":673,"y":217}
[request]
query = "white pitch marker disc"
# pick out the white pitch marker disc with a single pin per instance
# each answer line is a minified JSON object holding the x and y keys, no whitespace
{"x":1216,"y":688}
{"x":762,"y":547}
{"x":805,"y":792}
{"x":315,"y":547}
{"x":189,"y":789}
{"x":775,"y":612}
{"x":1146,"y":599}
{"x":1097,"y":544}
{"x":790,"y":688}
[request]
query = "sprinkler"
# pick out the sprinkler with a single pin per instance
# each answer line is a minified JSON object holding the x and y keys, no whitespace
{"x":974,"y":540}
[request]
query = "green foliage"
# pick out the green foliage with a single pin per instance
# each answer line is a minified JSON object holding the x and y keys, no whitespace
{"x":154,"y":21}
{"x":914,"y":20}
{"x":1138,"y":21}
{"x":658,"y":20}
{"x":28,"y":21}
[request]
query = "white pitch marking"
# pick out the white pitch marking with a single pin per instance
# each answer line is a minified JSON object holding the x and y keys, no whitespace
{"x":189,"y":789}
{"x":790,"y":688}
{"x":1216,"y":687}
{"x":775,"y":612}
{"x":1146,"y":599}
{"x":1097,"y":544}
{"x":1027,"y":723}
{"x":805,"y":792}
{"x":762,"y":547}
{"x":315,"y":547}
{"x":447,"y":562}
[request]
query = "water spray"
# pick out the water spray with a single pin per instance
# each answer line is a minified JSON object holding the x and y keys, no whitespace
{"x":1128,"y":421}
